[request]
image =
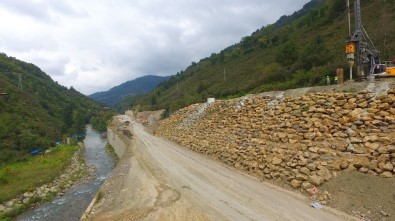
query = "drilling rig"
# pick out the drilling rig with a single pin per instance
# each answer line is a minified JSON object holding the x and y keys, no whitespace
{"x":358,"y":50}
{"x":361,"y":50}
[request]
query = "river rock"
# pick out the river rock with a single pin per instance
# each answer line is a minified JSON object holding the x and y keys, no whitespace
{"x":28,"y":194}
{"x":10,"y":203}
{"x":26,"y":200}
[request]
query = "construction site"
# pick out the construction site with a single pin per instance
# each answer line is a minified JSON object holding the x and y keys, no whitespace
{"x":316,"y":153}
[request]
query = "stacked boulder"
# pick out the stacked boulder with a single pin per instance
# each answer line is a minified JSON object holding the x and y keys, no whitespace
{"x":303,"y":140}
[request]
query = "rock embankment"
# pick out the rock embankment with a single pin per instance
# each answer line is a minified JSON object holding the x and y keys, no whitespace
{"x":302,"y":140}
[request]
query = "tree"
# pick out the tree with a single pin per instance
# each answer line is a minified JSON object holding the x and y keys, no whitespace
{"x":67,"y":118}
{"x":287,"y":54}
{"x":154,"y":101}
{"x":315,"y":54}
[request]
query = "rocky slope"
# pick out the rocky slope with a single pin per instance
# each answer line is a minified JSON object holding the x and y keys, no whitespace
{"x":299,"y":137}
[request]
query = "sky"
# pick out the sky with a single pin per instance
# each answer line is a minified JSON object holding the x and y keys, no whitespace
{"x":94,"y":45}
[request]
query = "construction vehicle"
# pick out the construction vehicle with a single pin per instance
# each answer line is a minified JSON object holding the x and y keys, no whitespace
{"x":361,"y":50}
{"x":386,"y":69}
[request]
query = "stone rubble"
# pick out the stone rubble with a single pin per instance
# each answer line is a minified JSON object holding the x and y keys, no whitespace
{"x":303,"y":140}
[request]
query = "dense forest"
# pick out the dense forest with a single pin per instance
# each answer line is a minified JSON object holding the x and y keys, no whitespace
{"x":35,"y":111}
{"x":297,"y":51}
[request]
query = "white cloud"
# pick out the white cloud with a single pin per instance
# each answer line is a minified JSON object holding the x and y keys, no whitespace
{"x":94,"y":45}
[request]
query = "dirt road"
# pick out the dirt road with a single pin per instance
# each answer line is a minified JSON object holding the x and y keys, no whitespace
{"x":159,"y":180}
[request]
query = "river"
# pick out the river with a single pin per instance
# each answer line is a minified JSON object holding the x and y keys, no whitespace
{"x":73,"y":204}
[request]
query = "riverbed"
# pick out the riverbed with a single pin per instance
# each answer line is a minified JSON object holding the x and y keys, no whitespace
{"x":73,"y":204}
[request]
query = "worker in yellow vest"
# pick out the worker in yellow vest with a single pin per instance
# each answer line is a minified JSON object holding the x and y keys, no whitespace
{"x":335,"y":79}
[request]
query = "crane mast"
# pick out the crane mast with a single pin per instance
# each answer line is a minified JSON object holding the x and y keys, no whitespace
{"x":358,"y":50}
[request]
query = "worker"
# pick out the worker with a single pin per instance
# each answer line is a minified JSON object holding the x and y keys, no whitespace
{"x":328,"y":80}
{"x":335,"y":79}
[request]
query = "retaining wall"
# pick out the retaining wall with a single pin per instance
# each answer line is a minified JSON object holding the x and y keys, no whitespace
{"x":302,"y":140}
{"x":118,"y":141}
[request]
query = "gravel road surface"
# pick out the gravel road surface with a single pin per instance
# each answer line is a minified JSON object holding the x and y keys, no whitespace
{"x":159,"y":180}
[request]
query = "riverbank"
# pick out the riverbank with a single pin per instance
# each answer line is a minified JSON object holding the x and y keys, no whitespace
{"x":76,"y":199}
{"x":65,"y":158}
{"x":120,"y":143}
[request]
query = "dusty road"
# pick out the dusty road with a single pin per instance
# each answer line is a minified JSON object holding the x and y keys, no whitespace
{"x":159,"y":180}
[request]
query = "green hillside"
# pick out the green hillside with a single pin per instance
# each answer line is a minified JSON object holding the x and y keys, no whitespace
{"x":40,"y":112}
{"x":298,"y":50}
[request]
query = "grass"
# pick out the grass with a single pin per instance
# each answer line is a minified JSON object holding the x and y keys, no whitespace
{"x":19,"y":177}
{"x":99,"y":196}
{"x":110,"y":150}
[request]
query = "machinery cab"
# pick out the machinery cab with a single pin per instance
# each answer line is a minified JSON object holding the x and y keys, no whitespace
{"x":387,"y":68}
{"x":379,"y":69}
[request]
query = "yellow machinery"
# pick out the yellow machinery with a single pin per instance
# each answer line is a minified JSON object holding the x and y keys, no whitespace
{"x":386,"y":69}
{"x":390,"y":71}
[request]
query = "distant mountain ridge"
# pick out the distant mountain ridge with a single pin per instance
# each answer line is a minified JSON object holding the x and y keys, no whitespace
{"x":138,"y":86}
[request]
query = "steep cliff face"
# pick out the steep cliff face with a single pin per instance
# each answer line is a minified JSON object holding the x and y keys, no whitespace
{"x":302,"y":140}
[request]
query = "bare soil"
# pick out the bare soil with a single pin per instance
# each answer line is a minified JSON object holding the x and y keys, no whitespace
{"x":362,"y":195}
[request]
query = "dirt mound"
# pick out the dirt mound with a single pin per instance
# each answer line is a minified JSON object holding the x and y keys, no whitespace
{"x":363,"y":195}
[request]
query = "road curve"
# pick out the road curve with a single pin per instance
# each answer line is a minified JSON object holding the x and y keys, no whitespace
{"x":219,"y":192}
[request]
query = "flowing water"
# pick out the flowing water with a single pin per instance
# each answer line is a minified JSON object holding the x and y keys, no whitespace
{"x":72,"y":205}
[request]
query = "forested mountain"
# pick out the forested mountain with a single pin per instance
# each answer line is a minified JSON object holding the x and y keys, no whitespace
{"x":298,"y":50}
{"x":138,"y":86}
{"x":35,"y":111}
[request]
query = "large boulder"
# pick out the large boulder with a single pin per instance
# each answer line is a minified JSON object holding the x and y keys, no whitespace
{"x":316,"y":180}
{"x":296,"y":183}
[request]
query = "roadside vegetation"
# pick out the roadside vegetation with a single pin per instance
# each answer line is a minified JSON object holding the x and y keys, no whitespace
{"x":110,"y":150}
{"x":19,"y":177}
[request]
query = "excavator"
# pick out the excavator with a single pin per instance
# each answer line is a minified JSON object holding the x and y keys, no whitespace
{"x":363,"y":52}
{"x":385,"y":69}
